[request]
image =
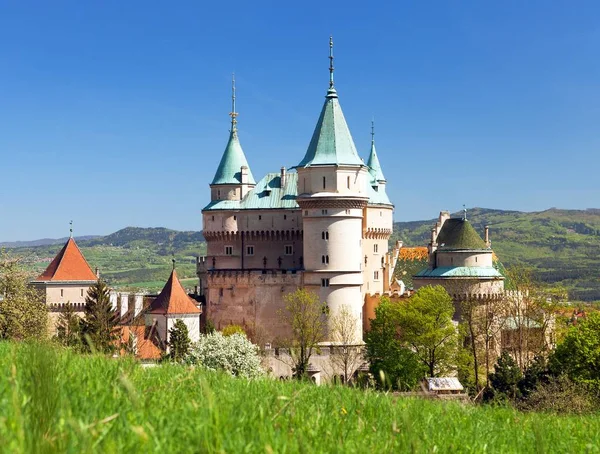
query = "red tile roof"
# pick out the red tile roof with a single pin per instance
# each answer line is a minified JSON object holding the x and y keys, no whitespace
{"x":68,"y":265}
{"x":147,"y":341}
{"x":173,"y":299}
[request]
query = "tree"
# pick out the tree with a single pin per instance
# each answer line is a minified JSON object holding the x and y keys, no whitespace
{"x":306,"y":317}
{"x":23,"y":313}
{"x":234,"y":354}
{"x":68,"y":327}
{"x":425,"y":324}
{"x":392,"y":364}
{"x":100,"y":322}
{"x":347,"y":353}
{"x":505,"y":379}
{"x":179,"y":341}
{"x":233,"y":329}
{"x":578,"y":355}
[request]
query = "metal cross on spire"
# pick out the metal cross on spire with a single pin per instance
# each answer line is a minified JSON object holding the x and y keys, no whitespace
{"x":233,"y":114}
{"x":464,"y":212}
{"x":70,"y":229}
{"x":331,"y":62}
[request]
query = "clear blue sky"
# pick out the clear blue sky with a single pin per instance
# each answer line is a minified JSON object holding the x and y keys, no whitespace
{"x":115,"y":113}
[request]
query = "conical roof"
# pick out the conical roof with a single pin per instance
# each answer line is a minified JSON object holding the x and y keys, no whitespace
{"x":457,"y":234}
{"x":173,"y":299}
{"x":374,"y":166}
{"x":68,"y":265}
{"x":331,"y":143}
{"x":229,"y":170}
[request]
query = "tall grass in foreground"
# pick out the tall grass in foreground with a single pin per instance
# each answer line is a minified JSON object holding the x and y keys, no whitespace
{"x":54,"y":401}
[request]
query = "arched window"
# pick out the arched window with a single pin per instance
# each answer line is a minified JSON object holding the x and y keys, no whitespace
{"x":322,"y":259}
{"x":326,"y":259}
{"x":326,"y":235}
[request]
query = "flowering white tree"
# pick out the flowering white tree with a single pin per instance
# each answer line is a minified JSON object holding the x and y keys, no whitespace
{"x":234,"y":354}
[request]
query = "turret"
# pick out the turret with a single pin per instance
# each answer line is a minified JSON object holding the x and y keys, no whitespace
{"x":332,"y":182}
{"x":233,"y":178}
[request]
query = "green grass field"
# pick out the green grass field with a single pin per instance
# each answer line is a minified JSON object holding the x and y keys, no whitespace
{"x":55,"y":401}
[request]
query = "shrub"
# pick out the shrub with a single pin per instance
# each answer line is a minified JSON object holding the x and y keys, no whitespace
{"x":233,"y":329}
{"x":560,"y":395}
{"x":234,"y":354}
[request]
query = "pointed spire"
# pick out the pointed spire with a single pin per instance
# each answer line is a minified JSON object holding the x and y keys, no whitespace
{"x":373,"y":161}
{"x":68,"y":265}
{"x":173,"y":299}
{"x":233,"y":159}
{"x":233,"y":114}
{"x":331,"y":143}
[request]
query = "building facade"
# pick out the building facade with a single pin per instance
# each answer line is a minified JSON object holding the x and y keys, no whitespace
{"x":322,"y":224}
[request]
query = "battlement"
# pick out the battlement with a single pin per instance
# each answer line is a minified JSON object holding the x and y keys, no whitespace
{"x":254,"y":277}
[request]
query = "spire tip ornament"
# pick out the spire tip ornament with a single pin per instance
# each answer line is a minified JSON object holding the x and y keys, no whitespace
{"x":331,"y":61}
{"x":70,"y":229}
{"x":233,"y":114}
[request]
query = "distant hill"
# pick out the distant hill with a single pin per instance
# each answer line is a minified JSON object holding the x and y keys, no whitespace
{"x":563,"y":246}
{"x":43,"y":242}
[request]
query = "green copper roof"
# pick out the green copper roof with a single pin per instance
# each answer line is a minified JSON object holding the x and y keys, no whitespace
{"x":266,"y":195}
{"x":374,"y":166}
{"x":229,"y":171}
{"x":460,"y":271}
{"x":331,"y":143}
{"x":458,"y":233}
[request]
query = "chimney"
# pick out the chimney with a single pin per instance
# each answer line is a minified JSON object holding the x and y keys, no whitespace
{"x":124,"y":303}
{"x":433,"y":232}
{"x":244,"y":174}
{"x":487,"y":235}
{"x":98,"y":272}
{"x":282,"y":177}
{"x":138,"y":304}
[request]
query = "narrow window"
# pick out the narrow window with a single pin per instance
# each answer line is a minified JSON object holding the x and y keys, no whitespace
{"x":81,"y":292}
{"x":327,"y":259}
{"x":250,"y":250}
{"x":381,"y":213}
{"x":235,"y":218}
{"x":305,"y":212}
{"x":220,"y":292}
{"x":213,"y":218}
{"x":289,"y":249}
{"x":475,"y":259}
{"x":284,"y":217}
{"x":322,"y":235}
{"x":375,"y":247}
{"x":62,"y":293}
{"x":304,"y":185}
{"x":219,"y":194}
{"x":347,"y":211}
{"x":259,"y":217}
{"x":326,"y":235}
{"x":324,"y":182}
{"x":348,"y":182}
{"x":323,"y":212}
{"x":324,"y":282}
{"x":228,"y":250}
{"x":322,"y":260}
{"x":376,"y":275}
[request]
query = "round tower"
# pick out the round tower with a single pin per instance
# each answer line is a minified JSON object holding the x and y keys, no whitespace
{"x":332,"y":193}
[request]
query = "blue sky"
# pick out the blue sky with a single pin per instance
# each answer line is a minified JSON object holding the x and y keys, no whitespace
{"x":115,"y":113}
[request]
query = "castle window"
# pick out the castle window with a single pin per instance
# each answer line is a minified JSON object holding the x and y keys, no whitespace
{"x":475,"y":259}
{"x":376,"y":275}
{"x":220,"y":292}
{"x":249,"y":250}
{"x":323,"y":212}
{"x":322,"y":259}
{"x":289,"y":249}
{"x":347,"y":211}
{"x":235,"y":218}
{"x":228,"y":250}
{"x":284,"y":217}
{"x":62,"y":293}
{"x":305,"y":212}
{"x":213,"y":218}
{"x":81,"y":292}
{"x":327,"y":259}
{"x":324,"y":282}
{"x":324,"y":235}
{"x":259,"y":217}
{"x":219,"y":193}
{"x":348,"y":182}
{"x":375,"y":248}
{"x":381,"y":213}
{"x":324,"y":182}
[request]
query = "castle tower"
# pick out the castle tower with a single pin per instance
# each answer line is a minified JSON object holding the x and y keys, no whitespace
{"x":332,"y":193}
{"x":377,"y":228}
{"x":65,"y":281}
{"x":233,"y":178}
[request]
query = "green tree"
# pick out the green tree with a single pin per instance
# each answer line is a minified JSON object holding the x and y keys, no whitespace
{"x":506,"y":377}
{"x":425,"y":325}
{"x":68,"y":327}
{"x":229,"y":330}
{"x":100,"y":322}
{"x":578,"y":355}
{"x":179,"y":341}
{"x":392,"y":364}
{"x":348,"y":353}
{"x":23,"y":312}
{"x":306,"y":317}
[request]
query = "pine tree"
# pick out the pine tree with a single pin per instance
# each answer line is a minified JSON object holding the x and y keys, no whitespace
{"x":68,"y":327}
{"x":179,"y":341}
{"x":99,"y":327}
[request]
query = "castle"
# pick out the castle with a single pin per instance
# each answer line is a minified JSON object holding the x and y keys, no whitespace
{"x":324,"y":226}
